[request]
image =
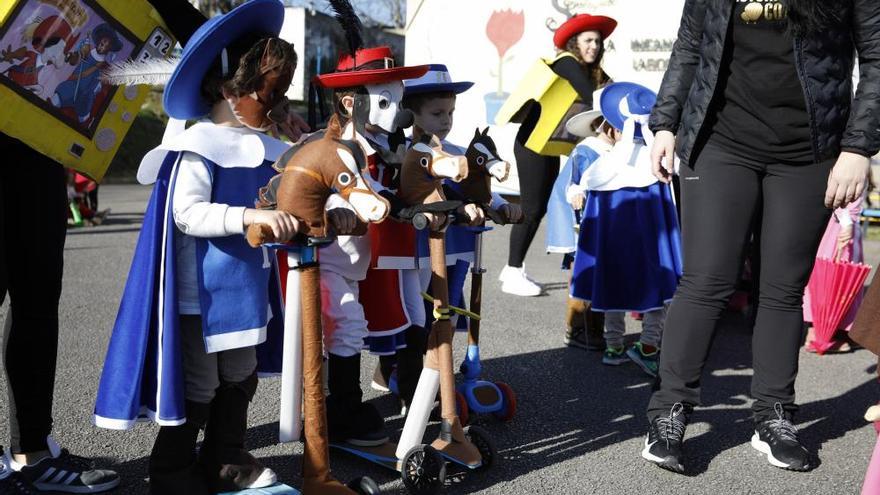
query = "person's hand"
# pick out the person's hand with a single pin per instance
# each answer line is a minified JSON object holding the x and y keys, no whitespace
{"x":512,"y":212}
{"x":663,"y":156}
{"x":474,"y":214}
{"x":577,"y":201}
{"x":436,"y":221}
{"x":844,"y":237}
{"x":847,"y":179}
{"x":284,"y":225}
{"x":343,"y":220}
{"x":294,"y":127}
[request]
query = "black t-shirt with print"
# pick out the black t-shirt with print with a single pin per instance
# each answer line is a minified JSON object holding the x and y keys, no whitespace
{"x":759,"y":108}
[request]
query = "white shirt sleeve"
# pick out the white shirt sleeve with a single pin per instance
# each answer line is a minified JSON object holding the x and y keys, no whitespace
{"x":193,"y":211}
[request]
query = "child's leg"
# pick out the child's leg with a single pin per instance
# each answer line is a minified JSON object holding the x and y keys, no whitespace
{"x":411,"y":358}
{"x":652,"y":328}
{"x":349,"y":418}
{"x":615,"y":327}
{"x":228,"y":464}
{"x":173,"y":468}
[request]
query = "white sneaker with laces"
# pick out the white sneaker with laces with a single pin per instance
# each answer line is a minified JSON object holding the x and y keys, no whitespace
{"x":515,"y":281}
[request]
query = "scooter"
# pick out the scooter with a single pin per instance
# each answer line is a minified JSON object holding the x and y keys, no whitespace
{"x":476,"y":395}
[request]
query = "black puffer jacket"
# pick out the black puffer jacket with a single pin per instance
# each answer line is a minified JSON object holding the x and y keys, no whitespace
{"x":824,"y":65}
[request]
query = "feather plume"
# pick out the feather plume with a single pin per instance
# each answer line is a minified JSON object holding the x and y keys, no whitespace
{"x":130,"y":73}
{"x":350,"y":22}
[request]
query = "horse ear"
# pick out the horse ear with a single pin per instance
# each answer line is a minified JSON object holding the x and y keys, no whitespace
{"x":486,"y":131}
{"x":476,"y":133}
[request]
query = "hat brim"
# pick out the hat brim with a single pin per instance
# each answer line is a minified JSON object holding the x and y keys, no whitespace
{"x":355,"y":78}
{"x":453,"y":87}
{"x":579,"y":24}
{"x":609,"y":102}
{"x":182,"y":98}
{"x":579,"y":125}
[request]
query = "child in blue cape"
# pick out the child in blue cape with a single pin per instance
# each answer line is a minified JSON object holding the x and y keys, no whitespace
{"x":199,"y":301}
{"x":629,"y":254}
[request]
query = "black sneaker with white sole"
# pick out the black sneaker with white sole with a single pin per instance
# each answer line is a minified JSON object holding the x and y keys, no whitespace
{"x":68,"y":473}
{"x":778,"y":440}
{"x":664,"y":439}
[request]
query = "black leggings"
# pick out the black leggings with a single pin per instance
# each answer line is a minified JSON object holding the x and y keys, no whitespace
{"x":722,"y":197}
{"x":33,"y":227}
{"x":537,"y":173}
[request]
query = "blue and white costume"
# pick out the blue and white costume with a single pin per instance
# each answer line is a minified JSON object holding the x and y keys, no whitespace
{"x":629,"y":252}
{"x":237,"y":294}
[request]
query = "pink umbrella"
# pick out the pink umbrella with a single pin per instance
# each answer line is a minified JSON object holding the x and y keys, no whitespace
{"x":833,"y":287}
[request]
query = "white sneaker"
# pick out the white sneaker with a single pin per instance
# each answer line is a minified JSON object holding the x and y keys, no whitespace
{"x":515,"y":281}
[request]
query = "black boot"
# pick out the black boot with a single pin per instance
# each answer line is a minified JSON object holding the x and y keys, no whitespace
{"x":229,"y":466}
{"x":410,"y":361}
{"x":348,"y":418}
{"x":173,"y":466}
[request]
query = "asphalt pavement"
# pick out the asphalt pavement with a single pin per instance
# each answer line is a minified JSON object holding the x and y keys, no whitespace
{"x":579,"y":427}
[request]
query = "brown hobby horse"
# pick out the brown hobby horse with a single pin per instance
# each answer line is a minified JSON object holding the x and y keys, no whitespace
{"x":310,"y":174}
{"x":424,"y":169}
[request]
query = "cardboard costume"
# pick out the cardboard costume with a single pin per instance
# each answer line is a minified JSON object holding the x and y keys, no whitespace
{"x":50,"y":75}
{"x":555,"y":97}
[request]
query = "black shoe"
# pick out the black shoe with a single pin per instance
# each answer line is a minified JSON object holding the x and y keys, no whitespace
{"x":12,"y":483}
{"x":778,"y":439}
{"x":664,"y":439}
{"x":68,"y":473}
{"x":349,"y":419}
{"x":576,"y":337}
{"x":173,"y":466}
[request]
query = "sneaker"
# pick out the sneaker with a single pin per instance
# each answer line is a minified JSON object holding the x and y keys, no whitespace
{"x":778,"y":439}
{"x":515,"y":281}
{"x":664,"y":439}
{"x":648,"y":362}
{"x":12,"y":483}
{"x":614,"y":356}
{"x":68,"y":473}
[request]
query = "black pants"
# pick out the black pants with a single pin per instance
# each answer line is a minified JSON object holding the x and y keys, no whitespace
{"x":33,"y":226}
{"x":537,"y":173}
{"x":721,"y":198}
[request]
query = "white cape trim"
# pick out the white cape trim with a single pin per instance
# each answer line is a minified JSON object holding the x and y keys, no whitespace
{"x":228,"y":147}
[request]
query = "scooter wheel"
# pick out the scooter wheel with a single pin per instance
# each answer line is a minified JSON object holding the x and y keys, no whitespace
{"x":483,"y":442}
{"x":508,"y":403}
{"x":423,"y":470}
{"x":461,"y":407}
{"x":364,"y":486}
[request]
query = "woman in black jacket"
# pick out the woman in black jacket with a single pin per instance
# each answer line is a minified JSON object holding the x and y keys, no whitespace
{"x":757,"y":104}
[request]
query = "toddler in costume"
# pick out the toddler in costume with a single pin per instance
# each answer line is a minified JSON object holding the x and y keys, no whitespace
{"x":842,"y":240}
{"x":199,"y":301}
{"x":431,"y":99}
{"x":367,"y":95}
{"x":629,"y":254}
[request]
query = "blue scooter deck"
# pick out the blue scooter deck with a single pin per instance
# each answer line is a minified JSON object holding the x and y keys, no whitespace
{"x":276,"y":489}
{"x":383,"y":455}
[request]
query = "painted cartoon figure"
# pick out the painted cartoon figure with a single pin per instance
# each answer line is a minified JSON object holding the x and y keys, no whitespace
{"x":50,"y":41}
{"x":92,"y":55}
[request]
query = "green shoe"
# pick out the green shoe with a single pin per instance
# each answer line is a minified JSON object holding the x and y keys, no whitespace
{"x":614,"y":356}
{"x":648,"y":362}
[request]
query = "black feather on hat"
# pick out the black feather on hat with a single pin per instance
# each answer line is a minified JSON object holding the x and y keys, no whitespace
{"x":350,"y":22}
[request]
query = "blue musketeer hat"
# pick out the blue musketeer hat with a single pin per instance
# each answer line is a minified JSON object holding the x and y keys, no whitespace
{"x":436,"y":80}
{"x":622,"y":100}
{"x":183,"y":99}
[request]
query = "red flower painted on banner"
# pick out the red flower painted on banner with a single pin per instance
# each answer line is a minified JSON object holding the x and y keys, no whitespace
{"x":504,"y":29}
